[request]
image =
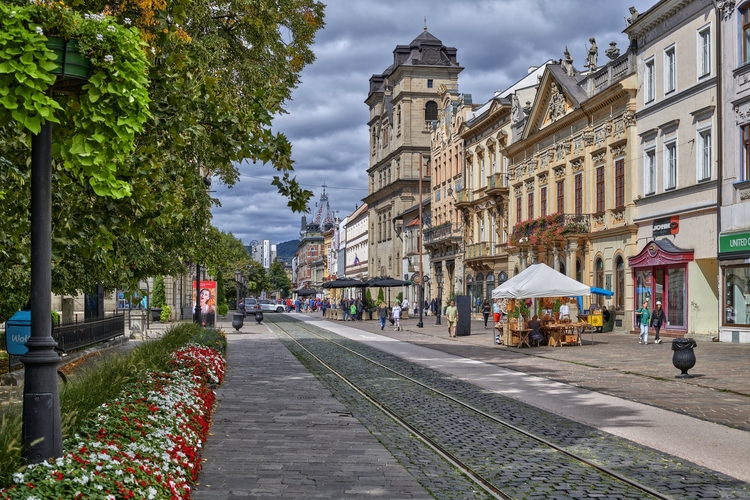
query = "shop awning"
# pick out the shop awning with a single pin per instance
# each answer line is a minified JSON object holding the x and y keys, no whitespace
{"x":601,"y":291}
{"x":661,"y":253}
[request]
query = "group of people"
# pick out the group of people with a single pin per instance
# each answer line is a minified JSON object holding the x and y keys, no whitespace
{"x":646,"y":319}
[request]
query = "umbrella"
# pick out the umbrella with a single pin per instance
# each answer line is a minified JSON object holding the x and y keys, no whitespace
{"x":343,"y":283}
{"x":387,"y":281}
{"x":305,"y":292}
{"x":601,"y":291}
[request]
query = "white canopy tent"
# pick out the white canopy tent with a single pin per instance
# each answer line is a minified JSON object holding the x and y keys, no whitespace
{"x":540,"y":280}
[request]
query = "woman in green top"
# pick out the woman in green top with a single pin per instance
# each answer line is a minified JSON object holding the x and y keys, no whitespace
{"x":644,"y":314}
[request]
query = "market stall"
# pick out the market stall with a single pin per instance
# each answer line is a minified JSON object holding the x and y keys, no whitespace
{"x":539,"y":281}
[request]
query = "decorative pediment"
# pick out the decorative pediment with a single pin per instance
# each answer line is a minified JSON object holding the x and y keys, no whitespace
{"x":553,"y":100}
{"x":618,"y":150}
{"x":598,"y":157}
{"x":529,"y":184}
{"x":576,"y":164}
{"x":518,"y":190}
{"x":543,"y":177}
{"x":557,"y":105}
{"x":559,"y":171}
{"x":561,"y":150}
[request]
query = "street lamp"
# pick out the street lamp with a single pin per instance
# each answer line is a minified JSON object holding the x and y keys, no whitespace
{"x":237,"y":276}
{"x":439,"y":279}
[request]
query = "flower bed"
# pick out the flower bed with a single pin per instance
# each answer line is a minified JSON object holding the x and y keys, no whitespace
{"x":145,"y":444}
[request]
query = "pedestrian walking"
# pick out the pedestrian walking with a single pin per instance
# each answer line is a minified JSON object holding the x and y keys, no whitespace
{"x":434,"y":307}
{"x":451,"y":315}
{"x":353,"y":311}
{"x":658,"y":318}
{"x":486,"y":312}
{"x":643,"y":314}
{"x":382,"y":314}
{"x":396,"y":313}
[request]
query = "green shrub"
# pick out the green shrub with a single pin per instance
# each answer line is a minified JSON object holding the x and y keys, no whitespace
{"x":223,"y":309}
{"x":166,"y":314}
{"x":55,"y":318}
{"x":159,"y":296}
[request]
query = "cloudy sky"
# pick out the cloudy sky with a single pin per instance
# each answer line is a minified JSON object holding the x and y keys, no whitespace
{"x":497,"y":40}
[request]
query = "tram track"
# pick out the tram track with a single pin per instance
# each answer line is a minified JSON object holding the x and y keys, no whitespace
{"x":600,"y":481}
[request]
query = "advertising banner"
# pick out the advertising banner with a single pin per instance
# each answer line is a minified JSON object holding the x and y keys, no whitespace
{"x":207,"y":296}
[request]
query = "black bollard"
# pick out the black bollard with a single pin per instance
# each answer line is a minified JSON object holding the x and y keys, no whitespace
{"x":238,"y":319}
{"x":684,"y":357}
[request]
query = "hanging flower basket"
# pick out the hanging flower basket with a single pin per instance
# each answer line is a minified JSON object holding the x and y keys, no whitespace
{"x":70,"y":62}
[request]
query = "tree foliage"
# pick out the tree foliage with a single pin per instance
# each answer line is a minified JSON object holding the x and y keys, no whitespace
{"x":279,"y":280}
{"x":218,"y":75}
{"x":159,"y":295}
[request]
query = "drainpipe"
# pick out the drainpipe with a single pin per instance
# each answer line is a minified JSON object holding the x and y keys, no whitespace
{"x":719,"y":147}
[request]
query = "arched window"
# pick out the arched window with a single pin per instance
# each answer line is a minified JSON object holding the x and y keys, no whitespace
{"x":490,"y":285}
{"x":579,"y":271}
{"x":562,"y":268}
{"x":430,"y":111}
{"x":599,"y":278}
{"x":619,"y":283}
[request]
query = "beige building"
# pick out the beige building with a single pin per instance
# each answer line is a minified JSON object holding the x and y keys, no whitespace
{"x":733,"y":153}
{"x":444,"y":228}
{"x":357,"y":243}
{"x":403,"y":104}
{"x":675,"y":261}
{"x":484,"y":199}
{"x":570,"y":176}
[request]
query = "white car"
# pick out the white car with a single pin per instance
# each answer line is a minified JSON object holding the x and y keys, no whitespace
{"x":271,"y":306}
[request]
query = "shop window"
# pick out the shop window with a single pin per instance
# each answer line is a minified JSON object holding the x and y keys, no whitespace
{"x":737,"y":295}
{"x":677,"y":297}
{"x":599,"y":278}
{"x":746,"y":152}
{"x":490,"y":285}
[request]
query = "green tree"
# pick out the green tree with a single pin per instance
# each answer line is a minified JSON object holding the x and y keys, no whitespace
{"x":279,"y":280}
{"x":257,"y":276}
{"x":218,"y":76}
{"x":221,"y":298}
{"x":381,"y":296}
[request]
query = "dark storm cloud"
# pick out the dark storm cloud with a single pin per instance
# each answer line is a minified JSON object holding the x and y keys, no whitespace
{"x":497,"y":42}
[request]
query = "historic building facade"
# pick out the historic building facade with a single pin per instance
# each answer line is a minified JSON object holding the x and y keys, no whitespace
{"x":403,"y":104}
{"x":309,"y":264}
{"x":443,"y":230}
{"x":733,"y":53}
{"x":484,"y":199}
{"x":676,"y":176}
{"x":357,"y":244}
{"x":570,"y":177}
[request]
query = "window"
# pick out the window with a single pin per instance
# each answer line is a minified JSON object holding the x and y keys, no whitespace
{"x":735,"y":295}
{"x":543,"y":202}
{"x":649,"y":173}
{"x":578,"y":194}
{"x":619,"y":183}
{"x":745,"y":34}
{"x":669,"y":70}
{"x":670,"y":165}
{"x":430,"y":111}
{"x":599,"y":278}
{"x":704,"y":155}
{"x":518,"y":209}
{"x":579,"y":271}
{"x":619,"y":283}
{"x":531,"y":206}
{"x":649,"y":81}
{"x":429,"y":84}
{"x":560,"y":197}
{"x":704,"y":52}
{"x":745,"y":152}
{"x":600,"y":189}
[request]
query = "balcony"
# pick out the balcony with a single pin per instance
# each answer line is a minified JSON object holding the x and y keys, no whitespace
{"x":497,"y":184}
{"x":464,"y":197}
{"x":547,"y":230}
{"x":478,"y":250}
{"x":437,"y":233}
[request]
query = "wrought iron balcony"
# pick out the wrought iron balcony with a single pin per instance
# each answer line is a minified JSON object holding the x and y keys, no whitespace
{"x":437,"y":233}
{"x":478,"y":250}
{"x":464,"y":196}
{"x":545,"y":230}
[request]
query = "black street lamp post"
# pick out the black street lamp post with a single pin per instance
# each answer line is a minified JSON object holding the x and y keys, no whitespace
{"x":439,"y":279}
{"x":237,"y":276}
{"x":42,"y":434}
{"x":197,"y":311}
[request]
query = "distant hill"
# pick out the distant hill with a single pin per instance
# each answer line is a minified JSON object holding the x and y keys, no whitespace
{"x":285,"y":251}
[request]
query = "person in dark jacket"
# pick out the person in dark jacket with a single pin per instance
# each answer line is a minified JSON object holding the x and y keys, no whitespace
{"x":658,"y":318}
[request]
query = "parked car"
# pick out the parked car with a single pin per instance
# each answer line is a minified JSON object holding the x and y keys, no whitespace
{"x":271,"y":306}
{"x":252,"y":305}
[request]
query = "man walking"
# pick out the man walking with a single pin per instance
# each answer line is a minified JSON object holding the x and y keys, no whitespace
{"x":451,"y":315}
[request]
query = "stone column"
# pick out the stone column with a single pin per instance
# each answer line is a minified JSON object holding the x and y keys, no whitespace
{"x":556,"y":258}
{"x":570,"y":259}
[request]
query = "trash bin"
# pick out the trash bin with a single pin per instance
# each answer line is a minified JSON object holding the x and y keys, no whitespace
{"x":238,"y":319}
{"x":683,"y":358}
{"x":17,"y":332}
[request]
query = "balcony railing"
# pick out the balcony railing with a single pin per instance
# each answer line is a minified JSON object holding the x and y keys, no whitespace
{"x":546,"y":230}
{"x":437,"y":233}
{"x":464,"y":196}
{"x":479,"y":250}
{"x":497,"y":181}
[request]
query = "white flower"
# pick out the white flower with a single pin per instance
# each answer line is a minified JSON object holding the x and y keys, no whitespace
{"x":18,"y":477}
{"x":39,"y":30}
{"x":87,"y":16}
{"x":127,"y":21}
{"x":108,"y":58}
{"x":12,"y":13}
{"x":100,"y":37}
{"x":111,"y":28}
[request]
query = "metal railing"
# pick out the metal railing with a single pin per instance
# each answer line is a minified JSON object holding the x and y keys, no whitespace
{"x":74,"y":336}
{"x":479,"y":250}
{"x":498,"y":180}
{"x":437,"y":233}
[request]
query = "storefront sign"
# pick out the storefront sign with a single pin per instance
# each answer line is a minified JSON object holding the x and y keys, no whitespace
{"x":667,"y":226}
{"x":737,"y":242}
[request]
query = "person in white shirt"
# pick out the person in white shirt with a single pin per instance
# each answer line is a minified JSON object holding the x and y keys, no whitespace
{"x":564,"y":311}
{"x":405,"y":305}
{"x":396,"y":312}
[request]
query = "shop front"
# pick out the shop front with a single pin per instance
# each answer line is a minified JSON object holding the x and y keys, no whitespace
{"x":734,"y":264}
{"x":660,"y":274}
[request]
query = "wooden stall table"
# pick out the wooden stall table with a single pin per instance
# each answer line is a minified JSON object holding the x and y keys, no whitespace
{"x":572,"y":333}
{"x":523,"y":337}
{"x":553,"y":334}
